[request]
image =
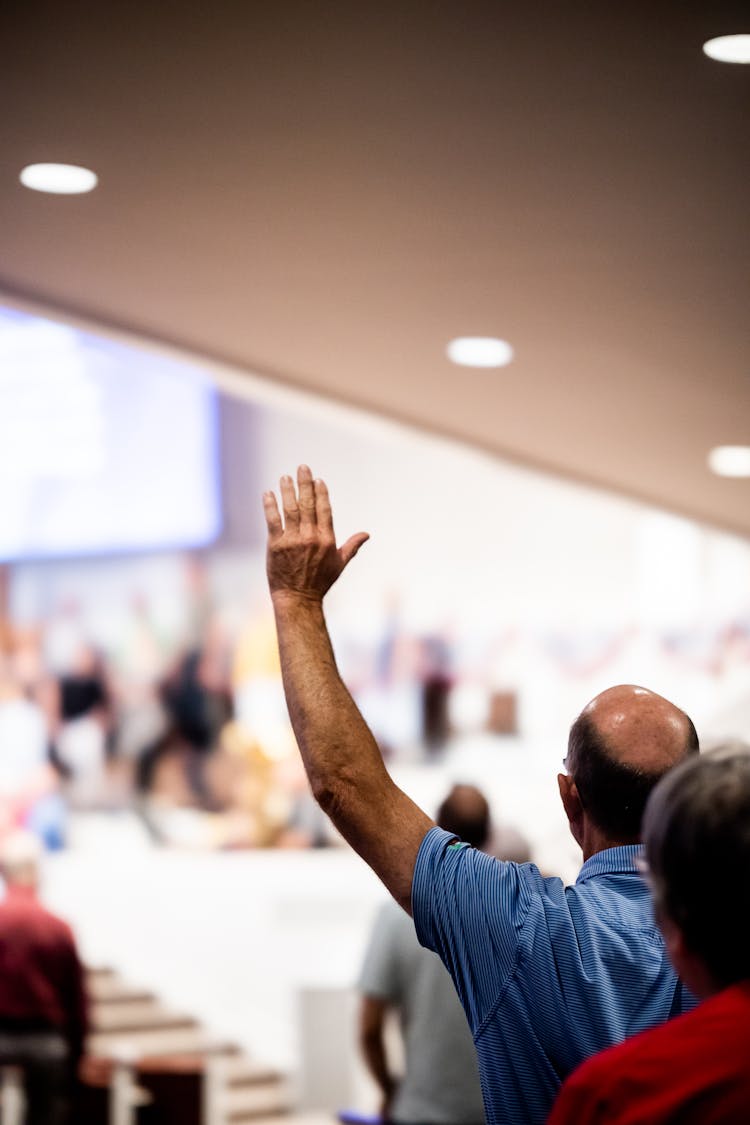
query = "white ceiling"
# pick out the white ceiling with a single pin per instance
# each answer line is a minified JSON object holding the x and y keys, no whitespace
{"x":327,"y":192}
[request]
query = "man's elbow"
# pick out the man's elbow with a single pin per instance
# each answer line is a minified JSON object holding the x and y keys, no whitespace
{"x":371,"y":1023}
{"x":337,"y":796}
{"x":325,"y":793}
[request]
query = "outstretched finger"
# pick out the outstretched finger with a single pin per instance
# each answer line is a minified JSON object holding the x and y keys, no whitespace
{"x":323,"y":508}
{"x":306,"y":499}
{"x":349,"y":549}
{"x":289,"y":503}
{"x":273,"y":519}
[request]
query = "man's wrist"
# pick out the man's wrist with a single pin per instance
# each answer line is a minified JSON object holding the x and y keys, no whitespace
{"x":285,"y":598}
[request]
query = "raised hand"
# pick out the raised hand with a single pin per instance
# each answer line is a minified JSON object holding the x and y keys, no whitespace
{"x":302,"y":557}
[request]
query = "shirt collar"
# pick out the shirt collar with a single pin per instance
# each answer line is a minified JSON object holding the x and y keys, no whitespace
{"x":611,"y":861}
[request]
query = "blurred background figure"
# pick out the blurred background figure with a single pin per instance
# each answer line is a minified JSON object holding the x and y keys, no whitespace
{"x":29,"y":785}
{"x":83,"y":725}
{"x":440,"y":1085}
{"x":510,"y":844}
{"x":43,"y":1017}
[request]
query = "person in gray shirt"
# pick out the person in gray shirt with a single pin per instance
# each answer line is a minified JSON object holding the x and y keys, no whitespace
{"x":441,"y":1083}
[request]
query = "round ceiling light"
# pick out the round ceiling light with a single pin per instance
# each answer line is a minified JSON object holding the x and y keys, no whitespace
{"x":730,"y":460}
{"x":59,"y":179}
{"x":729,"y":48}
{"x":479,"y":351}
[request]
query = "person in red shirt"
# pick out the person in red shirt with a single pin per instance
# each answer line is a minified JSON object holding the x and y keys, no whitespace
{"x":43,"y":1019}
{"x":694,"y":1069}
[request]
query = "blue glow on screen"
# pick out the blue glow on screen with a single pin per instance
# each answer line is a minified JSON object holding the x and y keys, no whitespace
{"x":104,"y":447}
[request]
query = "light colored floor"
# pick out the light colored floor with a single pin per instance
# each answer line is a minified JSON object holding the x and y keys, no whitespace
{"x":239,"y":940}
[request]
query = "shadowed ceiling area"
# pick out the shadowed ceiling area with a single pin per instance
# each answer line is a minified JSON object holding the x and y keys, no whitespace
{"x":327,"y":193}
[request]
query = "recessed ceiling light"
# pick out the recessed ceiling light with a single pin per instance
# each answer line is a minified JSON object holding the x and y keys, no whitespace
{"x":730,"y":460}
{"x":479,"y":351}
{"x":60,"y":179}
{"x":729,"y":48}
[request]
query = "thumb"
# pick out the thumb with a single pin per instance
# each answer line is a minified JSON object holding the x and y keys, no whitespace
{"x":349,"y":549}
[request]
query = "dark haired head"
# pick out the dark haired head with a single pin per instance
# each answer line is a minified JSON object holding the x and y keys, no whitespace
{"x":696,"y":832}
{"x":613,"y":787}
{"x":466,"y":814}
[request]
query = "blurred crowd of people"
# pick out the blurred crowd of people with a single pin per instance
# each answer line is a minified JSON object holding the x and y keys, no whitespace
{"x":192,"y":734}
{"x":164,"y":731}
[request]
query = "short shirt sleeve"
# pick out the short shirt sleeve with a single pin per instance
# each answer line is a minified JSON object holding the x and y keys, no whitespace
{"x":470,"y":908}
{"x":381,"y":970}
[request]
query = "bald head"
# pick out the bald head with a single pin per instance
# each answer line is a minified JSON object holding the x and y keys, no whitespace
{"x":20,"y":857}
{"x":639,"y":728}
{"x":620,"y":745}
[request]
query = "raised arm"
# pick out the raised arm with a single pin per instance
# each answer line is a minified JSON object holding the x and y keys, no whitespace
{"x":343,"y":763}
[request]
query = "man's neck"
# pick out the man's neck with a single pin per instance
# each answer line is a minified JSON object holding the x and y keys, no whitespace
{"x":595,"y":841}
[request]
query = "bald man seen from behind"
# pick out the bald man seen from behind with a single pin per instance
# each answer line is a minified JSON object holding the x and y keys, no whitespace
{"x":547,"y":974}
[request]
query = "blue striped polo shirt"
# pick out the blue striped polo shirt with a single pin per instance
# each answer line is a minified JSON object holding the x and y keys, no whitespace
{"x":547,"y":974}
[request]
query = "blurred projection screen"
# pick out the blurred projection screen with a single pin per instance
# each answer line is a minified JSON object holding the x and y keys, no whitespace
{"x":104,"y":447}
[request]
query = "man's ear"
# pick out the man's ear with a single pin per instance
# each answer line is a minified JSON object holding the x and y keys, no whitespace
{"x":673,"y":938}
{"x":571,"y":803}
{"x":569,"y":796}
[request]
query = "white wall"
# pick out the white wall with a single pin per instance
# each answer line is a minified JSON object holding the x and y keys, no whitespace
{"x":486,"y":549}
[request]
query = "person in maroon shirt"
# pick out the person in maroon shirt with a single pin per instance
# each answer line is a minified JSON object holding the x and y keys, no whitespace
{"x":43,"y":1019}
{"x":695,"y":1069}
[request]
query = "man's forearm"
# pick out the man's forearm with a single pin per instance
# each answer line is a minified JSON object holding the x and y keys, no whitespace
{"x":376,"y":1061}
{"x":337,"y":747}
{"x":342,"y":759}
